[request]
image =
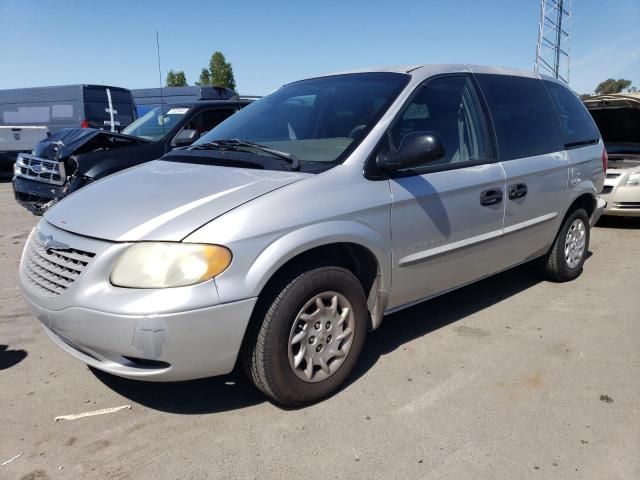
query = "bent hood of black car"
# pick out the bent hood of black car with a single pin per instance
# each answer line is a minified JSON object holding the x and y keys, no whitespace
{"x":162,"y":200}
{"x":70,"y":141}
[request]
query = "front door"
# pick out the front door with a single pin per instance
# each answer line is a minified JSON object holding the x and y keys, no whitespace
{"x":447,"y":216}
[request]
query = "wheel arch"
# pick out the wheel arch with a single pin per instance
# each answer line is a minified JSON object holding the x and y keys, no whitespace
{"x":584,"y":199}
{"x":362,"y":251}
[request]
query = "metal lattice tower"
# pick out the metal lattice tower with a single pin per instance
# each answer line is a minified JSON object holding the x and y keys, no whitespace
{"x":554,"y":33}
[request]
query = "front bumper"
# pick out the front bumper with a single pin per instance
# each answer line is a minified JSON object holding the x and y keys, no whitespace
{"x":32,"y":194}
{"x":150,"y":334}
{"x":623,"y":202}
{"x":179,"y":346}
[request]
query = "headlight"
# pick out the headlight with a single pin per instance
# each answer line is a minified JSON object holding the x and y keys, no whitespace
{"x":633,"y":180}
{"x":163,"y":265}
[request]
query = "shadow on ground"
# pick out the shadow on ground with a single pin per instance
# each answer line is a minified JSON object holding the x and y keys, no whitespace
{"x":619,"y":222}
{"x":208,"y":395}
{"x":424,"y":318}
{"x":9,"y":358}
{"x":235,"y":391}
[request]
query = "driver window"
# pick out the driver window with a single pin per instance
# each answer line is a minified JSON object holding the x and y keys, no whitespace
{"x":447,"y":106}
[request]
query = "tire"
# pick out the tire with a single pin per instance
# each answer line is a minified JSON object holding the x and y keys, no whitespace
{"x":556,"y":265}
{"x":273,"y":346}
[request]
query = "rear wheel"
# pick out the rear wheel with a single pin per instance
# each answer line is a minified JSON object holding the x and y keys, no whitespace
{"x":566,"y":258}
{"x":310,"y":338}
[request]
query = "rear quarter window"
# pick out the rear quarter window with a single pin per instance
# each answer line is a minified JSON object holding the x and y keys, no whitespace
{"x":97,"y":104}
{"x":578,"y":127}
{"x":523,"y":115}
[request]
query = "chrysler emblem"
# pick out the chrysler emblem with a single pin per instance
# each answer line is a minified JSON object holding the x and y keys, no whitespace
{"x":48,"y":243}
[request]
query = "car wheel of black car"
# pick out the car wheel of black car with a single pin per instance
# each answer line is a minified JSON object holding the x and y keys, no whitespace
{"x":312,"y":333}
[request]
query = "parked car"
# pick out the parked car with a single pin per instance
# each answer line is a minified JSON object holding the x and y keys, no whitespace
{"x":17,"y":139}
{"x":284,"y":235}
{"x":149,"y":98}
{"x":618,"y":118}
{"x":72,"y":158}
{"x":68,"y":106}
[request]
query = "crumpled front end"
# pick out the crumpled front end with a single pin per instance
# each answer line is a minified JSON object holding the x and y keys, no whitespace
{"x":45,"y":176}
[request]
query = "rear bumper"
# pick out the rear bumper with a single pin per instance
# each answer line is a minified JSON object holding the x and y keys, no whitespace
{"x":171,"y":347}
{"x":601,"y":205}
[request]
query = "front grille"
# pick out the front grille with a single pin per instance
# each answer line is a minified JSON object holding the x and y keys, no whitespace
{"x":40,"y":169}
{"x":607,"y":189}
{"x":51,"y":272}
{"x":613,"y":175}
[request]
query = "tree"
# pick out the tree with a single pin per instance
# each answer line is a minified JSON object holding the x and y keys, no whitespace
{"x":205,"y":78}
{"x":613,"y":86}
{"x":176,"y":79}
{"x":221,"y":72}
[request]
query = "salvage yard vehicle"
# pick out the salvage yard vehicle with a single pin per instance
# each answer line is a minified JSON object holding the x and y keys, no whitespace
{"x":68,"y":106}
{"x":618,"y":119}
{"x":73,"y":158}
{"x":15,"y":139}
{"x":286,"y":233}
{"x":149,"y":98}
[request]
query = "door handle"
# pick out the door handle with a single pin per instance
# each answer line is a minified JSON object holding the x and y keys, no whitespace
{"x":517,"y":190}
{"x":491,"y":196}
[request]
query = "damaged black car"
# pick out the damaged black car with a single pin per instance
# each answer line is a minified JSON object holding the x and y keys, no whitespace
{"x":74,"y":157}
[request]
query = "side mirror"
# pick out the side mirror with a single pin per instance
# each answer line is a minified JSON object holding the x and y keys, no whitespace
{"x":415,"y":150}
{"x":185,"y":137}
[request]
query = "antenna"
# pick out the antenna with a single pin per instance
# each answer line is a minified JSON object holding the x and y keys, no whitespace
{"x":160,"y":79}
{"x":554,"y":33}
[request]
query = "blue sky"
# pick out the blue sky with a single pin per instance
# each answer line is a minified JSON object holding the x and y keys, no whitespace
{"x":271,"y":42}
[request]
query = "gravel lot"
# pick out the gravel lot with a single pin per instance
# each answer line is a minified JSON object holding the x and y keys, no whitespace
{"x":506,"y":379}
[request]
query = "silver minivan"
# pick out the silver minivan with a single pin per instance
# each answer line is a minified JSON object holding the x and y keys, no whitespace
{"x":287,"y":232}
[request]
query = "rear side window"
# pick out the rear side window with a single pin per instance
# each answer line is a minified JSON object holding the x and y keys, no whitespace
{"x":577,"y":125}
{"x":523,"y":115}
{"x":97,"y":108}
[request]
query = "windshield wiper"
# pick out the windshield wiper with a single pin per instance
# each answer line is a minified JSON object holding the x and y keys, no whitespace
{"x":234,"y":143}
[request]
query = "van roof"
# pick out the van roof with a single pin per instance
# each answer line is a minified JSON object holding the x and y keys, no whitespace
{"x":52,"y":87}
{"x":50,"y":94}
{"x":427,"y":70}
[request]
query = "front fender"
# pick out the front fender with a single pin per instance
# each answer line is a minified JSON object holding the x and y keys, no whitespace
{"x":294,"y":243}
{"x":248,"y":277}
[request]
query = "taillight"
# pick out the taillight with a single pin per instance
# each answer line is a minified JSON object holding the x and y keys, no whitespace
{"x":605,"y":160}
{"x":84,"y":124}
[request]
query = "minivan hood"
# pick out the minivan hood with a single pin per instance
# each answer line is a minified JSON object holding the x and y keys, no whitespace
{"x":162,"y":200}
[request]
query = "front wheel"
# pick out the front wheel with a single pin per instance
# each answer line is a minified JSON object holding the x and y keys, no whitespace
{"x":566,"y":258}
{"x":310,"y":338}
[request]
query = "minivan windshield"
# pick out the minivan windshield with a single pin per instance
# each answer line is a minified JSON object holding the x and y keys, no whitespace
{"x":156,"y":123}
{"x":317,"y":120}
